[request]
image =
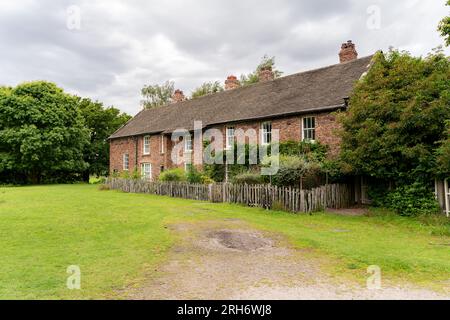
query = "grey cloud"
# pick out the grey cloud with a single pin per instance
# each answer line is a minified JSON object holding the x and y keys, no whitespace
{"x":124,"y":45}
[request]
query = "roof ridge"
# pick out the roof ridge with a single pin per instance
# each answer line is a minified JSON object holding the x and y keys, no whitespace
{"x":294,"y":93}
{"x":252,"y":85}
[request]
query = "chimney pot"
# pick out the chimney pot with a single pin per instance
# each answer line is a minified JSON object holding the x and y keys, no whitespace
{"x":348,"y":52}
{"x":231,"y":83}
{"x":266,"y":74}
{"x":178,"y":96}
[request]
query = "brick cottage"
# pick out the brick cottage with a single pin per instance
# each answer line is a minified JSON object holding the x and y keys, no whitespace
{"x":301,"y":106}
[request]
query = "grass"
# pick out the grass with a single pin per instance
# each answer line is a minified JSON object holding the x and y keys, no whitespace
{"x":116,"y":238}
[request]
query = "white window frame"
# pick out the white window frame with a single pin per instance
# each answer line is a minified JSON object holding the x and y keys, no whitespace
{"x":229,"y":139}
{"x":309,"y":131}
{"x":266,"y":135}
{"x":188,"y":146}
{"x":163,"y":149}
{"x":126,"y":162}
{"x":146,"y":171}
{"x":146,"y":145}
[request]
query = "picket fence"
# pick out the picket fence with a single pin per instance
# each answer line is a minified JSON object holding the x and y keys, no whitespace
{"x":334,"y":196}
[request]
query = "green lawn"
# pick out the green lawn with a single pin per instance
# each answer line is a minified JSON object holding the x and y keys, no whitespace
{"x":116,"y":238}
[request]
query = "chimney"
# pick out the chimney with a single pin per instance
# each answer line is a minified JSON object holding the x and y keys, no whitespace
{"x":266,"y":74}
{"x":232,"y":83}
{"x":348,"y":52}
{"x":178,"y":96}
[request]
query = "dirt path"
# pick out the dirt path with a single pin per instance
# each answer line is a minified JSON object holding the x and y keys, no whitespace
{"x":229,"y":260}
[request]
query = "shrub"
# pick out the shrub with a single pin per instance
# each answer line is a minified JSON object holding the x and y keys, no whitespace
{"x":413,"y":200}
{"x":173,"y":175}
{"x":293,"y":170}
{"x":247,"y":178}
{"x":207,"y":180}
{"x":194,"y":176}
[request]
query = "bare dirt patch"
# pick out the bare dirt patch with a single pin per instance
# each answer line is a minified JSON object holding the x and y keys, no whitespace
{"x":357,"y":211}
{"x":239,"y":240}
{"x":228,"y":259}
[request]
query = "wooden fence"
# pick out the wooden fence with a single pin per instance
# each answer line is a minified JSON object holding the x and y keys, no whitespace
{"x":335,"y":196}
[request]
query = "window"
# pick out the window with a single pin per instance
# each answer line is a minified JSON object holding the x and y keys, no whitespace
{"x":146,"y":171}
{"x":188,"y":143}
{"x":188,"y":167}
{"x":162,"y":144}
{"x":229,"y":138}
{"x":266,"y":133}
{"x":126,"y":161}
{"x":161,"y":169}
{"x":309,"y":129}
{"x":147,"y":145}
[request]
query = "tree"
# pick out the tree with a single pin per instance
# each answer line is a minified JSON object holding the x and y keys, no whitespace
{"x":443,"y":156}
{"x":396,"y":118}
{"x":101,"y":122}
{"x":444,"y":27}
{"x":207,"y":88}
{"x":42,"y":134}
{"x":253,"y":77}
{"x":157,"y":95}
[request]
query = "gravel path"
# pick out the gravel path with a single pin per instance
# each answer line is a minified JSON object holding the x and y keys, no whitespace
{"x":228,"y":260}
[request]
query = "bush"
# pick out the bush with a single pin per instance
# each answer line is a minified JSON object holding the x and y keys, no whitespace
{"x":293,"y":170}
{"x":194,"y":176}
{"x":413,"y":200}
{"x":247,"y":178}
{"x":173,"y":175}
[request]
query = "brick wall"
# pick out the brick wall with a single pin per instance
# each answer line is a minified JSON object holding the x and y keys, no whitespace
{"x":118,"y":147}
{"x":289,"y":129}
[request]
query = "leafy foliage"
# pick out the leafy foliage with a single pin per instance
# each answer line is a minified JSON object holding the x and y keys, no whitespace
{"x":193,"y":175}
{"x":249,"y":177}
{"x":443,"y":155}
{"x":42,"y":134}
{"x":173,"y":175}
{"x":101,"y":123}
{"x":293,"y":169}
{"x":444,"y":27}
{"x":413,"y":200}
{"x":253,"y":77}
{"x":157,"y":95}
{"x":207,"y":88}
{"x":397,"y":117}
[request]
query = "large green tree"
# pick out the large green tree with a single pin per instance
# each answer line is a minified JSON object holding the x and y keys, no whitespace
{"x":101,"y":122}
{"x":253,"y":77}
{"x":207,"y":88}
{"x":397,"y":115}
{"x":444,"y":27}
{"x":443,"y":155}
{"x":157,"y":95}
{"x":42,"y":134}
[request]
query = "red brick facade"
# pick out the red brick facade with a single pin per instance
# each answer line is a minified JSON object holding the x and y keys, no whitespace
{"x":290,"y":129}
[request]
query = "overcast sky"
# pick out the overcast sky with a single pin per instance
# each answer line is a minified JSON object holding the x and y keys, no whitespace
{"x":107,"y":50}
